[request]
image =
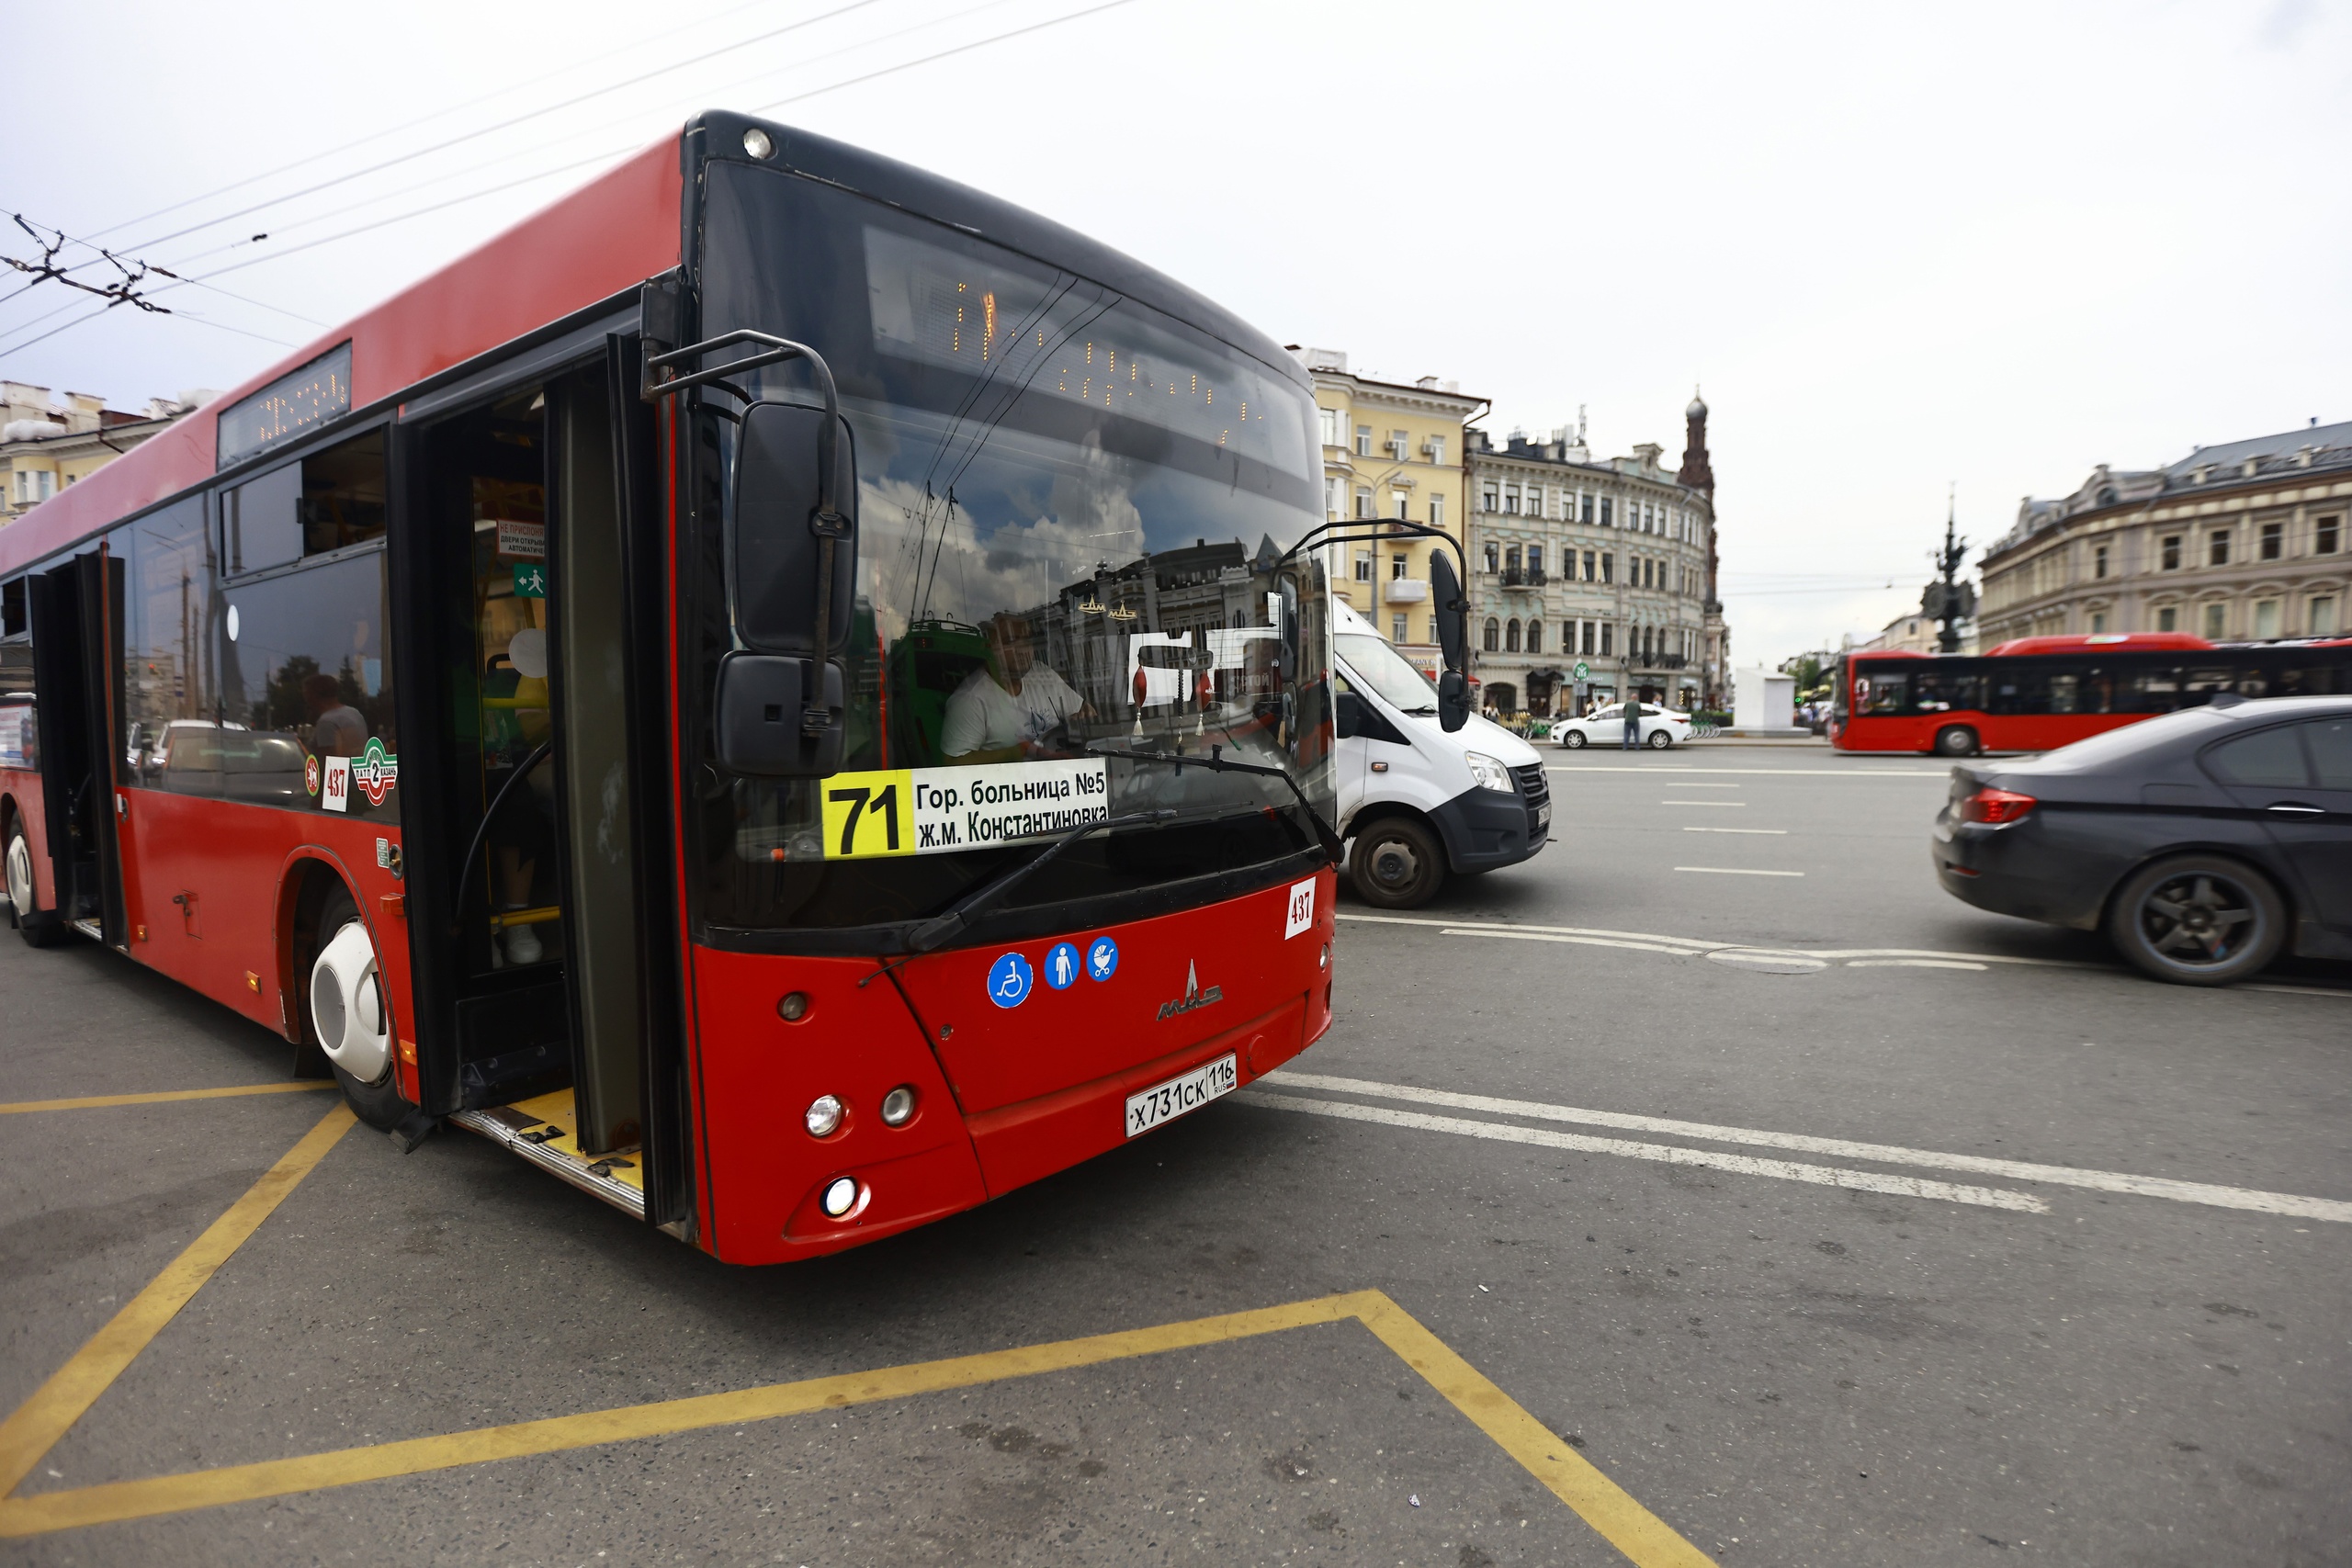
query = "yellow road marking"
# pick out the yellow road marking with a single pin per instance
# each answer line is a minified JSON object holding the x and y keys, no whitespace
{"x":97,"y":1101}
{"x":1633,"y":1529}
{"x":42,"y":1420}
{"x":1645,"y":1539}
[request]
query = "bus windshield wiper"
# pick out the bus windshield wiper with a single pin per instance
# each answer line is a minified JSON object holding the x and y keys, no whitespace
{"x":944,"y":928}
{"x":1215,"y":763}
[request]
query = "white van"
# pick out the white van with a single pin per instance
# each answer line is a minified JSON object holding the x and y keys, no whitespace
{"x":1417,"y":802}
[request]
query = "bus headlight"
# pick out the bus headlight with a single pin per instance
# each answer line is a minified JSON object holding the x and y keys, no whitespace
{"x":898,"y":1107}
{"x":1489,"y":774}
{"x":841,"y":1197}
{"x":823,"y":1116}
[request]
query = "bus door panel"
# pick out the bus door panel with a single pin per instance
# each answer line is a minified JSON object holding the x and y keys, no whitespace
{"x":74,"y":674}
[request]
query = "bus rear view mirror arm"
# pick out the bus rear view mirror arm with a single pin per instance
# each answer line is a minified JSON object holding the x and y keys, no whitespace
{"x":779,"y":703}
{"x":1452,"y":607}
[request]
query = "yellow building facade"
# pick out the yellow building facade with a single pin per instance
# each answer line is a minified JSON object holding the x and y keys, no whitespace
{"x":46,"y":445}
{"x":1392,"y":451}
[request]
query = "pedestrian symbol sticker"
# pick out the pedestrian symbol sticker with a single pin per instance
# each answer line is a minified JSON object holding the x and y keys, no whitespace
{"x":1101,"y":958}
{"x":530,"y":580}
{"x":1009,"y":978}
{"x":1061,"y":966}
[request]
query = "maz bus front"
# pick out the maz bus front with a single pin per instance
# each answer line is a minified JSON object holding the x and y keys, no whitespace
{"x":791,"y":829}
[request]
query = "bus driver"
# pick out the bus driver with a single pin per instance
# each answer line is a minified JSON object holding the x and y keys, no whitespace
{"x":1005,"y":710}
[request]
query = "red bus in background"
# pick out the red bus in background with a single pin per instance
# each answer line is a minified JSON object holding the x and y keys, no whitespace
{"x":2037,"y":693}
{"x":781,"y":689}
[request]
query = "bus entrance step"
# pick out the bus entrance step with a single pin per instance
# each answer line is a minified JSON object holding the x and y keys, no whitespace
{"x":542,"y":1131}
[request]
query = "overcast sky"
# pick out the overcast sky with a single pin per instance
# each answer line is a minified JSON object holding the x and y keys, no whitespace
{"x":1900,"y":247}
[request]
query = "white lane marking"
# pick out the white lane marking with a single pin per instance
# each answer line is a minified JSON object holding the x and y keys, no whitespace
{"x":1913,"y":964}
{"x":1702,"y":944}
{"x":1776,"y":832}
{"x":1668,"y":1154}
{"x":2260,"y":1202}
{"x":1736,"y":871}
{"x":1579,"y":940}
{"x":2297,"y":990}
{"x":1773,"y":772}
{"x":1741,"y":804}
{"x":1693,"y":784}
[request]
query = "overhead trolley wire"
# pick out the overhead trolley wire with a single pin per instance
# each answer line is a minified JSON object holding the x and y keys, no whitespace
{"x":435,"y":207}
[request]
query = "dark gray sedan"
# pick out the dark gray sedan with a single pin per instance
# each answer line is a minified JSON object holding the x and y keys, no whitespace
{"x":2205,"y":843}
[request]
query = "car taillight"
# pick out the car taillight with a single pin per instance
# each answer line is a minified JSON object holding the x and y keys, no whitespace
{"x":1996,"y":806}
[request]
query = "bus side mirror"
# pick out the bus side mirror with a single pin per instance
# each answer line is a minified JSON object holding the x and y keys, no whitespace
{"x":1454,"y":639}
{"x":776,"y":714}
{"x":1453,"y":700}
{"x":1347,"y":716}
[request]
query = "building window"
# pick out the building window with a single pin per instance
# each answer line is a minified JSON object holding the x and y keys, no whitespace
{"x":1364,"y":502}
{"x":1363,"y":441}
{"x":1437,"y":511}
{"x":1511,"y":499}
{"x":1584,"y":637}
{"x":2265,"y":619}
{"x":1534,"y":563}
{"x":2099,"y":560}
{"x":2098,"y":623}
{"x":2217,"y":548}
{"x":1511,"y":637}
{"x":1608,"y":567}
{"x":1493,"y":641}
{"x":2168,"y":552}
{"x":1588,"y":569}
{"x":2323,"y":617}
{"x":1534,"y":636}
{"x":1493,"y":498}
{"x":1398,"y":499}
{"x":2273,"y":541}
{"x":1494,"y":562}
{"x":1607,"y":635}
{"x":1397,"y":568}
{"x":1330,"y":419}
{"x":1606,"y":502}
{"x":2327,"y":535}
{"x":2216,"y":616}
{"x":1436,"y":447}
{"x":1510,"y":559}
{"x":1398,"y":444}
{"x":1587,"y":512}
{"x":2168,"y":618}
{"x":1363,"y":566}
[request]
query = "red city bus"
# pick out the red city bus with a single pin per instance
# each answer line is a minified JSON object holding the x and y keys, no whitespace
{"x":785,"y":690}
{"x":2037,"y":694}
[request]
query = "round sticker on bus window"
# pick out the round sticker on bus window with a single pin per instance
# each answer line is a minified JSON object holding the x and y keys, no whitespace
{"x":1009,"y":978}
{"x":1061,"y":966}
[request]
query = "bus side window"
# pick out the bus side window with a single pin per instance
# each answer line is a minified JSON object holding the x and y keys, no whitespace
{"x":1887,"y":693}
{"x":168,"y":691}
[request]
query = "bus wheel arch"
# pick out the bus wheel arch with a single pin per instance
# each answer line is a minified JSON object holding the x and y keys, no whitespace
{"x":39,"y":927}
{"x":340,"y":1012}
{"x":1957,"y":741}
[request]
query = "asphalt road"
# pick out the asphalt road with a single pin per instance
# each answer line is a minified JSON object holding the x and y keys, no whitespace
{"x":1745,"y":1186}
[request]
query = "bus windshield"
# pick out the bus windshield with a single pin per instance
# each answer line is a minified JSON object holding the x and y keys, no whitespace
{"x":1072,"y":515}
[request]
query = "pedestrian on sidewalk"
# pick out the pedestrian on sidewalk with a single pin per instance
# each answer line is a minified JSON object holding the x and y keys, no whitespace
{"x":1632,"y":726}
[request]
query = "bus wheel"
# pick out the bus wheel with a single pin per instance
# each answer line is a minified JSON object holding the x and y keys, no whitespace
{"x":1956,"y":741}
{"x":1396,"y":863}
{"x":2199,"y":920}
{"x":40,"y":928}
{"x":346,"y":1018}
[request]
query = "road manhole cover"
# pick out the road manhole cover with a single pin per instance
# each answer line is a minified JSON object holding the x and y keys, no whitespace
{"x":1767,"y":962}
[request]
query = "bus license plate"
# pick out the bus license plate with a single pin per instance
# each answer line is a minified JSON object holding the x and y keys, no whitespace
{"x":1165,"y":1102}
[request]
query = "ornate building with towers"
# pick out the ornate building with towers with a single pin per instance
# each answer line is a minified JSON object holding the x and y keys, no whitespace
{"x":1594,"y":579}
